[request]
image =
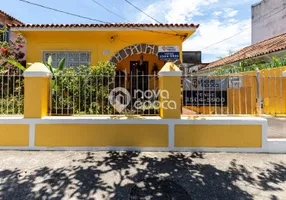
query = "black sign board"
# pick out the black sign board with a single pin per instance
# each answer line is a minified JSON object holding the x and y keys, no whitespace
{"x":205,"y":98}
{"x":169,"y":55}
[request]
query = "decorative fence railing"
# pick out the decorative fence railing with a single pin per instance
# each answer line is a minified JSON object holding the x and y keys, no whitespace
{"x":11,"y":93}
{"x":248,"y":93}
{"x":223,"y":95}
{"x":241,"y":94}
{"x":273,"y":95}
{"x":104,"y":95}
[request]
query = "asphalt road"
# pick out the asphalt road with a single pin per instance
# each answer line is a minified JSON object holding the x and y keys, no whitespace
{"x":135,"y":175}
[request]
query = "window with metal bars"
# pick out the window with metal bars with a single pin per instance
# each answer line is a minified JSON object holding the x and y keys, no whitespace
{"x":73,"y":58}
{"x":4,"y":36}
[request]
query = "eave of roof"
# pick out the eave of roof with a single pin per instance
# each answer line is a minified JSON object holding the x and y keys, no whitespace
{"x":275,"y":44}
{"x":104,"y":26}
{"x":12,"y":18}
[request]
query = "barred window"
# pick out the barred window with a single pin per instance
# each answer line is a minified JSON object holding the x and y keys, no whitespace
{"x":4,"y":36}
{"x":73,"y":58}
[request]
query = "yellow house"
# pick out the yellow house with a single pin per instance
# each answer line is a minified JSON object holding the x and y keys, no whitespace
{"x":86,"y":44}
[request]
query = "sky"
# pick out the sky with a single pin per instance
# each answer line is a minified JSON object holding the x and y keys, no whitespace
{"x":219,"y":19}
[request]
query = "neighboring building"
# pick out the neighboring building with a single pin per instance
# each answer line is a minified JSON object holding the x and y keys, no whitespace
{"x":7,"y":19}
{"x":192,"y":62}
{"x":192,"y":57}
{"x":260,"y":52}
{"x":125,"y":45}
{"x":268,"y":19}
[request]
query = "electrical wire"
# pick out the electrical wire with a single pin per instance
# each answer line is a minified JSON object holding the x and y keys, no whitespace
{"x":238,"y":32}
{"x":242,"y":32}
{"x":97,"y":20}
{"x":93,"y":19}
{"x":225,"y":39}
{"x":137,"y":8}
{"x":99,"y":4}
{"x":107,"y":9}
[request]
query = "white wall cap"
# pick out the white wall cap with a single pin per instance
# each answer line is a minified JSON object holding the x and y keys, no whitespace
{"x":170,"y":73}
{"x":37,"y":70}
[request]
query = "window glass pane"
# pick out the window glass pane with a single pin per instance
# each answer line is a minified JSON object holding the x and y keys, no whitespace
{"x":84,"y":57}
{"x":46,"y":56}
{"x":60,"y":56}
{"x":73,"y":59}
{"x":54,"y":58}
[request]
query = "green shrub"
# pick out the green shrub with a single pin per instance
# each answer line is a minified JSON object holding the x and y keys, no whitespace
{"x":11,"y":94}
{"x":246,"y":66}
{"x":12,"y":105}
{"x":83,"y":90}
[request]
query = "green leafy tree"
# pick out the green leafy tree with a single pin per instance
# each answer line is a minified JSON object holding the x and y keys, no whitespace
{"x":11,"y":50}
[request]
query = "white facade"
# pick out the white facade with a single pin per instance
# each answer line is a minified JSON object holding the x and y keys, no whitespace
{"x":268,"y":19}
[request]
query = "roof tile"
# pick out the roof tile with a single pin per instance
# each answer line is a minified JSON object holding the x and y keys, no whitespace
{"x":271,"y":45}
{"x":115,"y":25}
{"x":12,"y":18}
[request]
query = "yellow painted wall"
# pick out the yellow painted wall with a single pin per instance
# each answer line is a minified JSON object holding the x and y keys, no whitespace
{"x":14,"y":135}
{"x":72,"y":135}
{"x":171,"y":84}
{"x":36,"y":96}
{"x":218,"y":136}
{"x":94,"y":41}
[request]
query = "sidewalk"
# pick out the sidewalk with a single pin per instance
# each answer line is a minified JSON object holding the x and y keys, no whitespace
{"x":135,"y":175}
{"x":276,"y":127}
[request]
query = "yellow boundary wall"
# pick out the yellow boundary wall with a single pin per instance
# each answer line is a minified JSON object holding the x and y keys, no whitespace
{"x":243,"y":100}
{"x":169,"y":132}
{"x":150,"y":134}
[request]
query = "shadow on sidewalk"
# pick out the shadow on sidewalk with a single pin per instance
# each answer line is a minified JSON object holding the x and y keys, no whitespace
{"x":129,"y":175}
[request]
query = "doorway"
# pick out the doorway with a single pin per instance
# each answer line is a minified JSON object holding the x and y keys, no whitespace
{"x":139,"y":76}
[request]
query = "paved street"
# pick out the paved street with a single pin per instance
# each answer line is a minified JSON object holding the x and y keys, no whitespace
{"x":134,"y":175}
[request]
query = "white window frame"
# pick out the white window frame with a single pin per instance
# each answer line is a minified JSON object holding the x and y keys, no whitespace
{"x":68,"y":62}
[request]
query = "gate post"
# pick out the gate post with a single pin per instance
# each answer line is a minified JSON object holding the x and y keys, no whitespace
{"x":36,"y":91}
{"x":170,"y":91}
{"x":258,"y":90}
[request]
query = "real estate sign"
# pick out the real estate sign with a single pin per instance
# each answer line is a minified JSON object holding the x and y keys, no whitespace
{"x":168,"y":53}
{"x":204,"y":91}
